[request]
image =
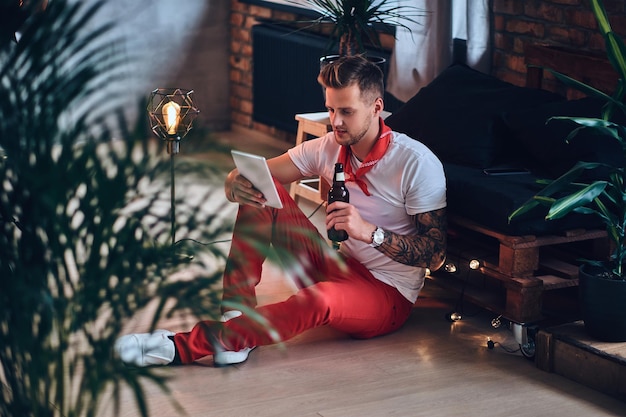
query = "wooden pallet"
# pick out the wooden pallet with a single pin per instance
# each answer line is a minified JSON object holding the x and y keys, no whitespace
{"x":569,"y":351}
{"x":515,"y":272}
{"x":519,"y":271}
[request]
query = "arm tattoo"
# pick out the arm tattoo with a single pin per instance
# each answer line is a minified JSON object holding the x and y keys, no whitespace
{"x":426,"y":248}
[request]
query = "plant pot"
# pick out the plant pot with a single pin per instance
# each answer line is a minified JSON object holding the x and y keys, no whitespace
{"x":603,"y":305}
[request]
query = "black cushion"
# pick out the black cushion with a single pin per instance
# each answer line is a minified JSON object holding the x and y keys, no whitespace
{"x":489,"y":200}
{"x":544,"y":144}
{"x":457,"y":114}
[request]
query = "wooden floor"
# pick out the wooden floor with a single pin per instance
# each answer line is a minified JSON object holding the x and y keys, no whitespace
{"x":430,"y":367}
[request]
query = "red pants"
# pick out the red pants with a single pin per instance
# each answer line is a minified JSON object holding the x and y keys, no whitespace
{"x":335,"y":291}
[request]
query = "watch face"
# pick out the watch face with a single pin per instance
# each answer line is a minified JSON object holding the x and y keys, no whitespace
{"x":379,"y":236}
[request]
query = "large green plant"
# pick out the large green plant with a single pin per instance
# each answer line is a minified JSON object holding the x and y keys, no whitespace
{"x":83,"y":230}
{"x":355,"y":22}
{"x":605,"y":197}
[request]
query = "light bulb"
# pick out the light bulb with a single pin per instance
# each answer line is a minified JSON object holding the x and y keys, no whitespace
{"x":453,"y":316}
{"x":427,"y":272}
{"x":474,"y":264}
{"x":171,"y":116}
{"x":450,"y":268}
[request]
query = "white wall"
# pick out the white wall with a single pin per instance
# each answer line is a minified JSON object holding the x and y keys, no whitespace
{"x":177,"y":43}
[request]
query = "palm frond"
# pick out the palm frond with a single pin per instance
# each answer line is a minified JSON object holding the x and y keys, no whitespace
{"x":83,"y":233}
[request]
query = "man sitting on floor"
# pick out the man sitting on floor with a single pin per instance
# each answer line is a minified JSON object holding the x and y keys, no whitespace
{"x":395,"y":221}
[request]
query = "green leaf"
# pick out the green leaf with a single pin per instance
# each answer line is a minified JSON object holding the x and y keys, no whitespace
{"x":567,"y":204}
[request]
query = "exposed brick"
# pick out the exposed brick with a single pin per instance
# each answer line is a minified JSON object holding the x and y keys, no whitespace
{"x":596,"y":42}
{"x":246,"y":50}
{"x":242,"y":119}
{"x":284,"y":16}
{"x":250,"y":21}
{"x":260,"y":11}
{"x":518,"y":45}
{"x":498,"y":23}
{"x":524,"y":27}
{"x":543,"y":11}
{"x":237,"y":6}
{"x":246,"y":79}
{"x":502,"y":41}
{"x":241,"y":64}
{"x":245,"y":106}
{"x":582,"y":18}
{"x":237,"y":19}
{"x":239,"y":34}
{"x":241,"y":91}
{"x":516,"y":63}
{"x":563,"y":35}
{"x":235,"y":76}
{"x":513,"y":7}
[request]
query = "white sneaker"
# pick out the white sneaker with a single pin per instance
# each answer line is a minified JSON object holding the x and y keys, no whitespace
{"x":229,"y":357}
{"x":145,"y":349}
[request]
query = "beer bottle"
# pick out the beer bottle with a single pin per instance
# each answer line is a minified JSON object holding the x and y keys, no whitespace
{"x":338,"y":192}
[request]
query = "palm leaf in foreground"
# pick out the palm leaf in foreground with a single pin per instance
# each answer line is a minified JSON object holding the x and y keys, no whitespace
{"x":83,"y":229}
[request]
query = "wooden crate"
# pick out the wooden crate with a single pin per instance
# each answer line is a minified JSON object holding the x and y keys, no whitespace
{"x":515,"y":272}
{"x":569,"y":351}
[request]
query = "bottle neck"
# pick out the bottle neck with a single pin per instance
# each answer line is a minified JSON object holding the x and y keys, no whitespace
{"x":340,"y":177}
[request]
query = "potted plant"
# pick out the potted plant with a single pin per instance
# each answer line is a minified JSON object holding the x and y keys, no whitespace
{"x":82,"y":231}
{"x":602,"y":282}
{"x":356,"y":23}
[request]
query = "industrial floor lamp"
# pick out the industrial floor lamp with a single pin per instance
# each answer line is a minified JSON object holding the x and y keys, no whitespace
{"x":171,"y":113}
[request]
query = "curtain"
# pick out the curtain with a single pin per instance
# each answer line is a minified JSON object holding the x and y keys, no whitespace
{"x":425,"y":49}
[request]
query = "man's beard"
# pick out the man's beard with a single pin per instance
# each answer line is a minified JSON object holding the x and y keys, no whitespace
{"x":354,"y":139}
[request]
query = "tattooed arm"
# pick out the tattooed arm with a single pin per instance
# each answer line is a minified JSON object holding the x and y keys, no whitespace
{"x":426,"y":248}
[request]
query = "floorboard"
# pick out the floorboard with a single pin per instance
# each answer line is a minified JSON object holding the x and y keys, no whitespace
{"x":430,"y":367}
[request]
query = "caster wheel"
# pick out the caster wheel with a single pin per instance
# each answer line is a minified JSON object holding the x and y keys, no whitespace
{"x":528,"y":349}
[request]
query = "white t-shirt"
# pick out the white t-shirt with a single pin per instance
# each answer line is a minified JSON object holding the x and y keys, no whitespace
{"x":407,"y":180}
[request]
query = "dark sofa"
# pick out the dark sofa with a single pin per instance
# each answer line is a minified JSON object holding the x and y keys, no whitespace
{"x":473,"y":121}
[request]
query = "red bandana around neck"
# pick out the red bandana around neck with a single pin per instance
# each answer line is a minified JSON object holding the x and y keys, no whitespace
{"x":374,"y":155}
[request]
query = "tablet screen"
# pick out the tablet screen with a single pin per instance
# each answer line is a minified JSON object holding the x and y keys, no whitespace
{"x":254,"y":168}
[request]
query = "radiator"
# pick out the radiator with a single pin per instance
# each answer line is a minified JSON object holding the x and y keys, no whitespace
{"x":284,"y":76}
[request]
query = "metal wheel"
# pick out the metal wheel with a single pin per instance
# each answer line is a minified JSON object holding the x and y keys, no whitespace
{"x":528,"y":348}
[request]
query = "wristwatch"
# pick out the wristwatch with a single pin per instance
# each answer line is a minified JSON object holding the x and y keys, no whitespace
{"x":378,"y":236}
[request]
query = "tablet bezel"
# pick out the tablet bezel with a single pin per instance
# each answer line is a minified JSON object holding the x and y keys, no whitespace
{"x":255,"y":169}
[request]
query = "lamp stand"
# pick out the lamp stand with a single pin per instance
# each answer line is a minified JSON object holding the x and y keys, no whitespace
{"x":173,"y":147}
{"x":171,"y":113}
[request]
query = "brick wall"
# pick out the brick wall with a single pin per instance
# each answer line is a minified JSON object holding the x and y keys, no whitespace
{"x":558,"y":22}
{"x":515,"y":22}
{"x":243,"y":17}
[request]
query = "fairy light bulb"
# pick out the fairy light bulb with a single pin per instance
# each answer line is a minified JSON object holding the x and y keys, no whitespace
{"x":474,"y":264}
{"x":171,"y":116}
{"x":451,"y":268}
{"x":453,"y":317}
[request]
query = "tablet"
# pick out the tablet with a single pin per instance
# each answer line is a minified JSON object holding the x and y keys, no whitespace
{"x":254,"y":168}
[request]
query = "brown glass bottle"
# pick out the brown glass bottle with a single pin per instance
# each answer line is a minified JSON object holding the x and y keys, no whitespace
{"x":338,"y":192}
